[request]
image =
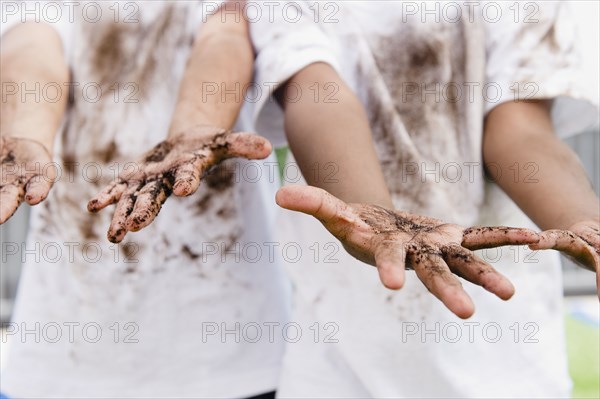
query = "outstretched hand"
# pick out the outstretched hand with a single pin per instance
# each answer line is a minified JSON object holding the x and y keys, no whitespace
{"x":176,"y":166}
{"x":580,"y":243}
{"x":394,"y":241}
{"x":25,"y":174}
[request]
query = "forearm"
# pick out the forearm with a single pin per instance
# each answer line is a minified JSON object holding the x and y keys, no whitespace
{"x":32,"y":58}
{"x":537,"y":170}
{"x":219,"y":67}
{"x":331,"y":140}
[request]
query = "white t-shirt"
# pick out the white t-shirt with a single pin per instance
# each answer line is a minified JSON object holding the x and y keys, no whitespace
{"x":426,"y":86}
{"x":173,"y":310}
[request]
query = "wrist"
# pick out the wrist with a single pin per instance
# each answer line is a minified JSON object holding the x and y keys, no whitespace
{"x":193,"y":126}
{"x":572,"y":220}
{"x":187,"y":117}
{"x":45,"y":142}
{"x":195,"y":130}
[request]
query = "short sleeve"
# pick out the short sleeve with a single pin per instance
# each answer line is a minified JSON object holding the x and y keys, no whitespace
{"x":59,"y":15}
{"x":534,"y":54}
{"x":286,"y":40}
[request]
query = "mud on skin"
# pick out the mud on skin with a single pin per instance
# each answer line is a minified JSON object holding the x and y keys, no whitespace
{"x":21,"y":163}
{"x":383,"y":220}
{"x":482,"y":231}
{"x":424,"y":237}
{"x":412,"y":230}
{"x":176,"y":164}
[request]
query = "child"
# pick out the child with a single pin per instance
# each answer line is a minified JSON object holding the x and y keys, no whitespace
{"x":441,"y":91}
{"x":172,"y":310}
{"x":146,"y":318}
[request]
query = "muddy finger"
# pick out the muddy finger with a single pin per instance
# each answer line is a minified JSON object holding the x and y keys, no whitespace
{"x":118,"y":225}
{"x":489,"y":237}
{"x":110,"y":195}
{"x":148,"y":203}
{"x":470,"y":267}
{"x":439,"y":280}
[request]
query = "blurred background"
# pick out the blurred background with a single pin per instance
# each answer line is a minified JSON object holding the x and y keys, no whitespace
{"x":582,"y":309}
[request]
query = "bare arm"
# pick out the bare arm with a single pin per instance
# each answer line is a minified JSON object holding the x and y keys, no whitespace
{"x":221,"y":60}
{"x":336,"y":131}
{"x":559,"y":195}
{"x":199,"y":135}
{"x":363,"y":217}
{"x":32,"y":57}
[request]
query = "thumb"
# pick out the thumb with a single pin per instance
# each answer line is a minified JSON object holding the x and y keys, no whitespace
{"x":315,"y":202}
{"x":247,"y":145}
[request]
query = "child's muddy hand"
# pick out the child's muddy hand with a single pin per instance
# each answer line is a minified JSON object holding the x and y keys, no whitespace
{"x":394,"y":241}
{"x":176,"y":166}
{"x":26,"y":174}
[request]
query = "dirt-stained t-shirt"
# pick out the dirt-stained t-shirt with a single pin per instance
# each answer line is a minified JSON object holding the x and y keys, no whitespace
{"x":174,"y":309}
{"x":427,"y":74}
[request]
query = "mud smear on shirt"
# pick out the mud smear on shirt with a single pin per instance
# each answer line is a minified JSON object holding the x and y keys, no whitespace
{"x":70,"y":164}
{"x":420,"y":128}
{"x":187,"y":251}
{"x":47,"y":225}
{"x":550,"y":38}
{"x":218,"y":183}
{"x":203,"y":203}
{"x":230,"y":241}
{"x":227,"y":212}
{"x":552,"y":52}
{"x":107,"y":154}
{"x":9,"y":159}
{"x":221,"y":177}
{"x":109,"y":58}
{"x":130,"y":61}
{"x":87,"y":224}
{"x":544,"y":28}
{"x":128,"y":52}
{"x":130,"y":251}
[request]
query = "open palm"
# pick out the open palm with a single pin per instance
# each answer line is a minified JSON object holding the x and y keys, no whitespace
{"x":394,"y":241}
{"x":176,"y":166}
